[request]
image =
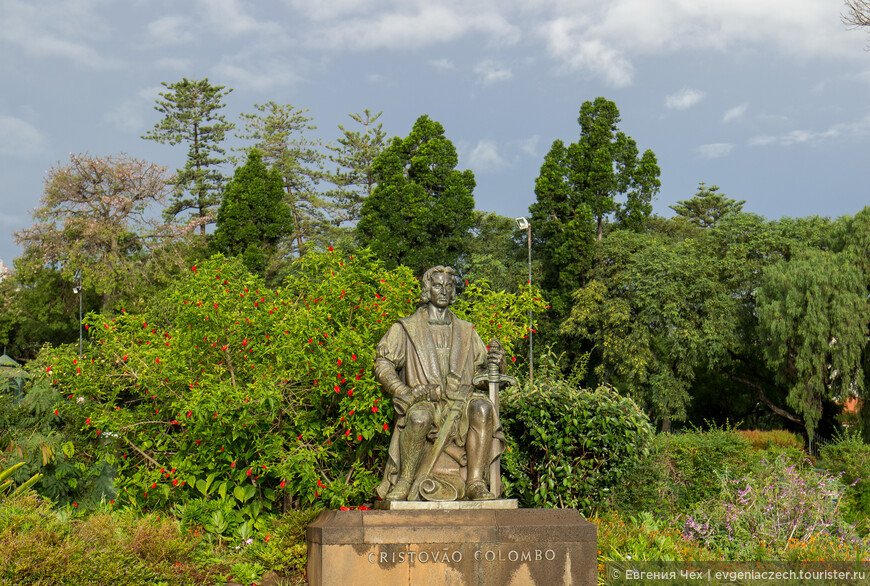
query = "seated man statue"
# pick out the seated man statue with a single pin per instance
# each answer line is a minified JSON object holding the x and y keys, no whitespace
{"x":447,"y":431}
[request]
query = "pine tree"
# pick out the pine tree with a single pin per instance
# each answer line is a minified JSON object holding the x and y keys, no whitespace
{"x":190,"y":115}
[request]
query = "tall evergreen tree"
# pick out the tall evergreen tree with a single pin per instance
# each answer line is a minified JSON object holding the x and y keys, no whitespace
{"x":421,"y":210}
{"x":581,"y":187}
{"x":191,"y":115}
{"x":279,"y":132}
{"x":354,"y":178}
{"x":253,"y":216}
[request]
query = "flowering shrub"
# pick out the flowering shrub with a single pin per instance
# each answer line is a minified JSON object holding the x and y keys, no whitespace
{"x":226,"y":390}
{"x":762,"y":515}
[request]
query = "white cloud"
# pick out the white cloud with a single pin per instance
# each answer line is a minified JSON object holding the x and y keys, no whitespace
{"x":716,"y":150}
{"x":840,"y":131}
{"x":442,"y":64}
{"x":622,"y":30}
{"x":528,"y":146}
{"x":735,"y":112}
{"x":57,"y":30}
{"x":489,"y":72}
{"x":684,"y":99}
{"x":576,"y":51}
{"x":171,"y":30}
{"x":261,"y":76}
{"x":173,"y":64}
{"x":485,"y":156}
{"x":762,"y":140}
{"x":411,"y":25}
{"x":19,"y":138}
{"x":229,"y":17}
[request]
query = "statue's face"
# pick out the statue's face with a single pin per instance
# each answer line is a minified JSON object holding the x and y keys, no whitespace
{"x":441,"y":289}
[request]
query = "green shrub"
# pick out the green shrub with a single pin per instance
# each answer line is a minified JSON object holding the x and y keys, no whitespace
{"x":285,"y":552}
{"x":850,"y":456}
{"x":697,"y":459}
{"x":568,"y":446}
{"x":649,"y":487}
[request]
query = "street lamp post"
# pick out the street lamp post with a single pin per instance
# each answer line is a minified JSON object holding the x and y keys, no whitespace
{"x":524,"y":224}
{"x":78,"y":291}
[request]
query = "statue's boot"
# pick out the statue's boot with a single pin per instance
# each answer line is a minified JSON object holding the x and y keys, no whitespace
{"x":477,"y":491}
{"x":400,"y":490}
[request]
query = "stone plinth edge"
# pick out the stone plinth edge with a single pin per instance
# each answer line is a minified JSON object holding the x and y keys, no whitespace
{"x":459,"y":547}
{"x":445,"y":505}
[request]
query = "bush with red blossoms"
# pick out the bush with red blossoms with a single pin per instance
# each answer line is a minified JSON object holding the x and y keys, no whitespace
{"x":226,"y":390}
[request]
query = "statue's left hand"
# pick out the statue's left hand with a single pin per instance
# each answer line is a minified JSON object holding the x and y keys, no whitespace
{"x":495,"y":354}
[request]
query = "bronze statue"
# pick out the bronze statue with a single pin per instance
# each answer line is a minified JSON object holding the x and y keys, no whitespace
{"x":447,"y":434}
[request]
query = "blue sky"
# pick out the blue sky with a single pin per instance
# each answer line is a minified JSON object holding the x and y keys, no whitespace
{"x":767,"y":99}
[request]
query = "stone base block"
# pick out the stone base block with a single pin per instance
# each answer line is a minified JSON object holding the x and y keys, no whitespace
{"x":543,"y":547}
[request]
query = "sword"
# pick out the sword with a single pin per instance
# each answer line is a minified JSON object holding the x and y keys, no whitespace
{"x":495,"y":379}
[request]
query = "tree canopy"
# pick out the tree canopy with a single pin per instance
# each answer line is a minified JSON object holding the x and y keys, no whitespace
{"x":421,"y":210}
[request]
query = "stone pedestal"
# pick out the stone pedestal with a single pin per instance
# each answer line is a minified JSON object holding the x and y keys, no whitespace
{"x":464,"y":547}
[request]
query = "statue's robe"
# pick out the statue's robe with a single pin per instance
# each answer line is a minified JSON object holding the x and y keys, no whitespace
{"x":408,"y":354}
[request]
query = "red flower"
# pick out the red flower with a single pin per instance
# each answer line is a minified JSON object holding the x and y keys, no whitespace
{"x":249,"y":472}
{"x":124,"y":358}
{"x":215,"y":304}
{"x":330,"y":249}
{"x":233,"y":465}
{"x":48,"y":369}
{"x":353,"y":356}
{"x":193,"y":268}
{"x":337,"y":390}
{"x":346,"y":433}
{"x":175,"y":482}
{"x":88,"y":421}
{"x":283,"y":482}
{"x":386,"y":427}
{"x":359,"y":438}
{"x":374,"y":409}
{"x":75,"y":361}
{"x":189,"y":413}
{"x":154,"y":485}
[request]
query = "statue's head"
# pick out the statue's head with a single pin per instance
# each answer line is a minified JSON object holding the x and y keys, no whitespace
{"x":434,"y":281}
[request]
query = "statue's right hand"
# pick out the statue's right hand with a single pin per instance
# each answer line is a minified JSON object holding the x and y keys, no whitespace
{"x":420,"y":393}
